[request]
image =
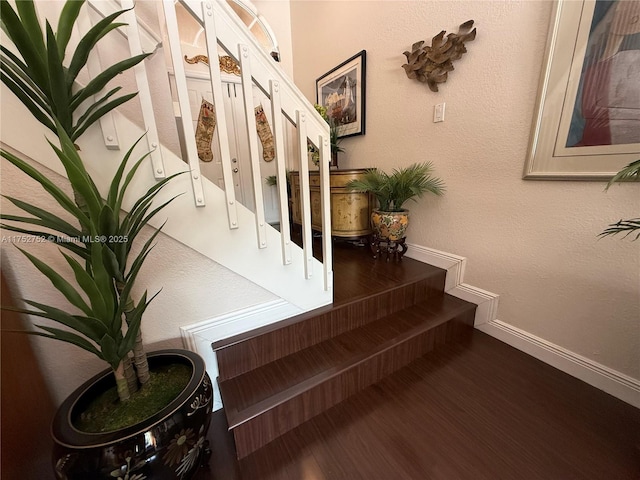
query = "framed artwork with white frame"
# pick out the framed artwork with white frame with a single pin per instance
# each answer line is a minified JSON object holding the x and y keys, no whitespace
{"x":587,"y":120}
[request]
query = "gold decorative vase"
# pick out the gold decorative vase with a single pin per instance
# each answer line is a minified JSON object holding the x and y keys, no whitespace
{"x":391,"y":226}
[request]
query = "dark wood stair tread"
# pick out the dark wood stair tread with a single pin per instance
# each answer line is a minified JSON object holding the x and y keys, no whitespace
{"x":353,"y":287}
{"x":256,"y":391}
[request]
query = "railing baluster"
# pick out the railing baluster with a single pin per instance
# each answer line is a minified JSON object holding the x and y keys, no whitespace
{"x":247,"y":96}
{"x":221,"y":118}
{"x":183,"y":100}
{"x":144,"y":92}
{"x":107,"y":123}
{"x":305,"y":195}
{"x":278,"y":137}
{"x":325,"y":200}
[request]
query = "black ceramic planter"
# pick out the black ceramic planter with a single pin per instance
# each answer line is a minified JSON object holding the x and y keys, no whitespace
{"x":168,"y":445}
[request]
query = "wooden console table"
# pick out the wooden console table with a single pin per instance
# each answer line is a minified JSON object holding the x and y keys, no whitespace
{"x":350,"y":211}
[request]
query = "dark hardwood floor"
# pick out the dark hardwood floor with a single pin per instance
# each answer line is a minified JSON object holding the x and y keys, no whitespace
{"x":474,"y":410}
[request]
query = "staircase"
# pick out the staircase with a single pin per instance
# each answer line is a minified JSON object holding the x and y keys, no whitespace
{"x":206,"y":217}
{"x":275,"y":378}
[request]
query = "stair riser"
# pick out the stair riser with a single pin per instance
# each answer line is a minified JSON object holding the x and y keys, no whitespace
{"x":254,"y":352}
{"x":269,"y":425}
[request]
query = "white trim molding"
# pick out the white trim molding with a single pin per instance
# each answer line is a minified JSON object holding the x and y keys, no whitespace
{"x":487,"y":302}
{"x":604,"y":378}
{"x":595,"y":374}
{"x":198,"y":337}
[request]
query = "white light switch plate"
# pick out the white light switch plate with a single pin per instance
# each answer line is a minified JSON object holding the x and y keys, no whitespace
{"x":438,"y":113}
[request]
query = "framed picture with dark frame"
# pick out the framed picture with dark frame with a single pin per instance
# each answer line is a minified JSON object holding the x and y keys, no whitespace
{"x":342,"y":91}
{"x":587,"y":122}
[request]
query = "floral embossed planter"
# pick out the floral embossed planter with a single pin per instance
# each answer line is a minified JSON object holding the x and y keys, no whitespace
{"x":390,"y":226}
{"x":168,"y":445}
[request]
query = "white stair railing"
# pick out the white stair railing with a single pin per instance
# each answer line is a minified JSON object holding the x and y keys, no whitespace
{"x":281,"y":172}
{"x":244,"y":54}
{"x":225,"y":30}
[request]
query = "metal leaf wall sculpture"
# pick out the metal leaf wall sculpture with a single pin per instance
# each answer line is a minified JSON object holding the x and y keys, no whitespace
{"x":432,"y":64}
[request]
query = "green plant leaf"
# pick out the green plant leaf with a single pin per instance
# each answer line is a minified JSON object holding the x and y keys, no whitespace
{"x":144,"y":202}
{"x":88,"y":41}
{"x":67,"y":20}
{"x":29,"y":18}
{"x":81,"y":127}
{"x":110,"y":351}
{"x":98,"y":306}
{"x":27,"y":101}
{"x":43,"y":218}
{"x":59,"y":91}
{"x":59,"y":283}
{"x":72,"y":247}
{"x":77,"y":175}
{"x":404,"y":184}
{"x":33,"y":58}
{"x":136,"y":265}
{"x":624,"y":227}
{"x":629,"y":173}
{"x":101,"y":80}
{"x":63,"y":200}
{"x":111,"y":264}
{"x":90,"y":327}
{"x":68,"y":337}
{"x":95,"y":105}
{"x":16,"y":69}
{"x":99,"y":272}
{"x":134,"y":323}
{"x":137,"y":227}
{"x":108,"y":222}
{"x":113,"y":199}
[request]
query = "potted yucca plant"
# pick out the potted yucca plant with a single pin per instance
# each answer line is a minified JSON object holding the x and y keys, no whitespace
{"x":390,"y":220}
{"x":102,"y":430}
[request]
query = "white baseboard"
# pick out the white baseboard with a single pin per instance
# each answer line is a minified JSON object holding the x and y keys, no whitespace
{"x":199,"y":336}
{"x":604,"y":378}
{"x":487,"y":302}
{"x":599,"y":376}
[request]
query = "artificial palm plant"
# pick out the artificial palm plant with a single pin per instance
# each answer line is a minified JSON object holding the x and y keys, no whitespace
{"x":404,"y":184}
{"x":99,"y":238}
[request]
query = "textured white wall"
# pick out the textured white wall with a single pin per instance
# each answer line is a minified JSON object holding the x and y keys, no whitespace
{"x":533,"y":243}
{"x":278,"y":15}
